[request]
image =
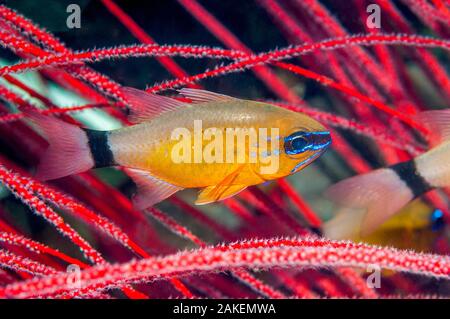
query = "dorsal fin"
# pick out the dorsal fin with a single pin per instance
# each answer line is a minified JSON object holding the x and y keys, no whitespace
{"x":437,"y":121}
{"x":145,"y":106}
{"x":203,"y":96}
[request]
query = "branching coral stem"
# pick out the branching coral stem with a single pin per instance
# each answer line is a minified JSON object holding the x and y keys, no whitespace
{"x":260,"y":254}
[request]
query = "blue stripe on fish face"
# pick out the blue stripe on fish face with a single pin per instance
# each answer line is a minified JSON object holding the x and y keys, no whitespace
{"x":306,"y":161}
{"x":300,"y":142}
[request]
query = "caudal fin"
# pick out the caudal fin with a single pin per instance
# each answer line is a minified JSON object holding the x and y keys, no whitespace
{"x":68,"y":152}
{"x":438,"y":121}
{"x":366,"y":201}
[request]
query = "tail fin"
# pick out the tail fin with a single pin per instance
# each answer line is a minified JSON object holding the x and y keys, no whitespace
{"x":366,"y":202}
{"x":68,"y":152}
{"x":438,"y":121}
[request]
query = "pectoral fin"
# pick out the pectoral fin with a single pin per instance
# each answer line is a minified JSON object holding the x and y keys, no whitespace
{"x":150,"y":190}
{"x":215,"y":193}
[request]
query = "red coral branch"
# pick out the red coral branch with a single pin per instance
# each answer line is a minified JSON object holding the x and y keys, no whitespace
{"x":18,"y":263}
{"x":142,"y":36}
{"x":32,"y":245}
{"x":340,"y":62}
{"x":241,"y":275}
{"x":261,"y":254}
{"x":136,"y":51}
{"x":14,"y":183}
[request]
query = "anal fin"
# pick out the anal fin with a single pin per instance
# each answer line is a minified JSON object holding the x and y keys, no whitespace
{"x":150,"y":190}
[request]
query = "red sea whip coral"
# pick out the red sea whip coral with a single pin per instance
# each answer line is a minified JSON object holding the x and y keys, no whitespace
{"x":35,"y":269}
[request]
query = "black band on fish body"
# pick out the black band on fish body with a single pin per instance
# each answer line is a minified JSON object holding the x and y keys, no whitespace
{"x":99,"y":147}
{"x":407,"y":171}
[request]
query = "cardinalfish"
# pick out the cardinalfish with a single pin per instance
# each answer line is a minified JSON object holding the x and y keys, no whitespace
{"x":175,"y":145}
{"x":367,"y":201}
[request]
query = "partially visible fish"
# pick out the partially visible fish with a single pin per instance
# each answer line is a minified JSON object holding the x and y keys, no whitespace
{"x":147,"y":149}
{"x":413,"y":227}
{"x":367,"y":201}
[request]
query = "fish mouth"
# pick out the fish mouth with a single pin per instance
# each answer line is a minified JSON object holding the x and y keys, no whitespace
{"x":321,"y":139}
{"x":308,"y":161}
{"x":320,"y":142}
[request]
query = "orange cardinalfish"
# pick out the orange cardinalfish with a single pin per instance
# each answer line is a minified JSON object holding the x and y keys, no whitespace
{"x":367,"y":201}
{"x":147,"y":148}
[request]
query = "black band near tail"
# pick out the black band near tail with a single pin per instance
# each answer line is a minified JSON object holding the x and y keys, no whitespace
{"x":408,"y":173}
{"x":100,"y":150}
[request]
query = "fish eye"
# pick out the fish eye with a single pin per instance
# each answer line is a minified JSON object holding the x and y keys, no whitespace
{"x":299,"y":143}
{"x":296,"y":143}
